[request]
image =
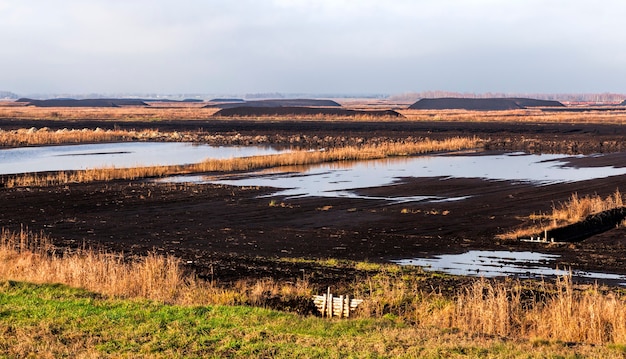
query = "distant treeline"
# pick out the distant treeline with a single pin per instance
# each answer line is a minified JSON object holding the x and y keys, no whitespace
{"x":8,"y":95}
{"x":579,"y":97}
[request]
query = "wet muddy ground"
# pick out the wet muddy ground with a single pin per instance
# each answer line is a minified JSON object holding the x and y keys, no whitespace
{"x":229,"y":233}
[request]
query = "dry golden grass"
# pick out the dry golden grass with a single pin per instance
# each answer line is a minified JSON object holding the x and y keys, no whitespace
{"x":586,"y":315}
{"x":517,"y":116}
{"x":574,"y":210}
{"x":25,"y":256}
{"x":294,"y":158}
{"x":45,"y":136}
{"x":150,"y":113}
{"x":484,"y":308}
{"x":567,"y":315}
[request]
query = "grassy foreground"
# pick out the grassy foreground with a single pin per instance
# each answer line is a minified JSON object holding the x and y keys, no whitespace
{"x":148,"y":307}
{"x":57,"y":321}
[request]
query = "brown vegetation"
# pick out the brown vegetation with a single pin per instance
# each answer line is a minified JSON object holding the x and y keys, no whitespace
{"x":517,"y":116}
{"x":31,"y":257}
{"x":45,"y":136}
{"x":572,"y":211}
{"x":119,"y":114}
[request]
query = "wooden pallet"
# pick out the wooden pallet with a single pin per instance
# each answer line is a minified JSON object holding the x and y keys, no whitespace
{"x":331,"y":306}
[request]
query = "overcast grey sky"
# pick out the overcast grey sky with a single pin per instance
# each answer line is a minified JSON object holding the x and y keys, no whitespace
{"x":312,"y":46}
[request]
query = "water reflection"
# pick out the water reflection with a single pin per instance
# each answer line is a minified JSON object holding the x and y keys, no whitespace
{"x":343,"y":179}
{"x":503,"y":263}
{"x":127,"y":154}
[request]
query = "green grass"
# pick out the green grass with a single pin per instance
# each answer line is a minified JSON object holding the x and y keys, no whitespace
{"x":59,"y":321}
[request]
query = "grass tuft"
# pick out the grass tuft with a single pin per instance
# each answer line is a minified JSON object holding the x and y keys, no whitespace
{"x":572,"y":211}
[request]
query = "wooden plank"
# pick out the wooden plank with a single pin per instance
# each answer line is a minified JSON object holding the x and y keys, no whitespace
{"x":331,"y":306}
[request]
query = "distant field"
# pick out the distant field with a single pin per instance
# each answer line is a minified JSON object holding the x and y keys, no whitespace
{"x":196,"y":111}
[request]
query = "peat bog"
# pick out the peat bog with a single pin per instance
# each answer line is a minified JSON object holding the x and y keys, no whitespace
{"x":230,"y":232}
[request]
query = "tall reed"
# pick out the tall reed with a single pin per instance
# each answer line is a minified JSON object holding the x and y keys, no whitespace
{"x":510,"y":308}
{"x":566,"y":314}
{"x":45,"y":136}
{"x":571,"y":211}
{"x":31,"y":257}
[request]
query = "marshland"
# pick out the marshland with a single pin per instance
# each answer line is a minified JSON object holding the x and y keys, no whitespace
{"x":131,"y":232}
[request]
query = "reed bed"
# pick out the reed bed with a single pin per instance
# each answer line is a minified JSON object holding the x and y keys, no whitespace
{"x":45,"y":136}
{"x":548,"y":311}
{"x":517,"y":116}
{"x":501,"y":308}
{"x":26,"y":256}
{"x":294,"y":158}
{"x":121,"y":114}
{"x":572,"y":211}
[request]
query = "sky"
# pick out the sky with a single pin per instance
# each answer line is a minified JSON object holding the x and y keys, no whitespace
{"x":312,"y":46}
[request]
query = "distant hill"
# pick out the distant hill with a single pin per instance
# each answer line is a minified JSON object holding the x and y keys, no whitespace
{"x":301,"y":111}
{"x":278,"y":103}
{"x":68,"y":102}
{"x":481,"y":104}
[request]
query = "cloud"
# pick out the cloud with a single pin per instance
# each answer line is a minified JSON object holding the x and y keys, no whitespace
{"x":310,"y":45}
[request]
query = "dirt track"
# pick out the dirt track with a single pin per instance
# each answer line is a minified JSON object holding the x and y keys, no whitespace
{"x":228,"y":232}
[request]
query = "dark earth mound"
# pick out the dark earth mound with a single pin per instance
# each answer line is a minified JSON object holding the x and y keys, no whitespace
{"x":280,"y":103}
{"x":531,"y":102}
{"x":187,"y":100}
{"x":481,"y":104}
{"x":301,"y":111}
{"x":100,"y":102}
{"x":222,"y":100}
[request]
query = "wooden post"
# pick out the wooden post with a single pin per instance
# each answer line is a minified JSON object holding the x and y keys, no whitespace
{"x":329,"y":304}
{"x":341,"y":306}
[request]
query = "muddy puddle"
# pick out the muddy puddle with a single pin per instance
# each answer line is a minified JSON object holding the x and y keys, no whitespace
{"x":121,"y":155}
{"x":490,"y":264}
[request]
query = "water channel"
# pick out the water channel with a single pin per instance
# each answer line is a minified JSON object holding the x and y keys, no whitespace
{"x":120,"y":155}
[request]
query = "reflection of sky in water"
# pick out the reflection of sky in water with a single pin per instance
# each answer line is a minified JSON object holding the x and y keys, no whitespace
{"x":501,"y":263}
{"x":128,"y":154}
{"x":340,"y":179}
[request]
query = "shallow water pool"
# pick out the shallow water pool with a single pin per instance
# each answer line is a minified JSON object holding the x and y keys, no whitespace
{"x":345,"y":178}
{"x":491,"y":264}
{"x":125,"y":154}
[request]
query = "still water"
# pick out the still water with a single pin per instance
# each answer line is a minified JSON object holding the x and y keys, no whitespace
{"x":126,"y":154}
{"x":503,"y":263}
{"x":344,"y":179}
